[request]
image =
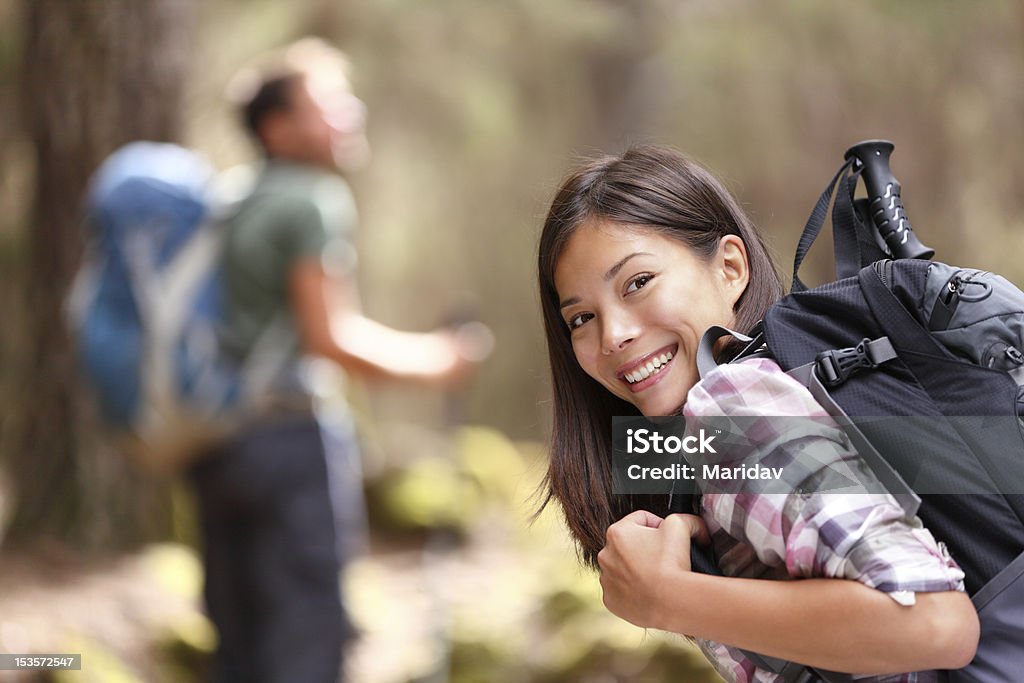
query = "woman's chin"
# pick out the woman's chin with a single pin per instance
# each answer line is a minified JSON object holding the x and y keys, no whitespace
{"x":662,"y":406}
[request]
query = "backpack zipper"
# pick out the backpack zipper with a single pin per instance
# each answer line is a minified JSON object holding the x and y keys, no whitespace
{"x":884,"y":270}
{"x":951,"y":292}
{"x":946,"y":303}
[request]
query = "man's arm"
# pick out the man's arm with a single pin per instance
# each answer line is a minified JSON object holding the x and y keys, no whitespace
{"x":330,"y":325}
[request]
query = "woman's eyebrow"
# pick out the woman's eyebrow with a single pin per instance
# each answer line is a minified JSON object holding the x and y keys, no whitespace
{"x":607,"y":276}
{"x":618,"y":266}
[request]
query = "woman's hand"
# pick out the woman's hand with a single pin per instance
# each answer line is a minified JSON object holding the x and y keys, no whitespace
{"x":641,"y":556}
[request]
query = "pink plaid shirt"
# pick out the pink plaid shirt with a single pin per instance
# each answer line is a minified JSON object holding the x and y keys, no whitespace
{"x":865,"y":537}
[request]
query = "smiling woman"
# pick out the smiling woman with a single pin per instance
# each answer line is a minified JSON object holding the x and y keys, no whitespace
{"x":640,"y":254}
{"x":651,"y":218}
{"x":653,"y":303}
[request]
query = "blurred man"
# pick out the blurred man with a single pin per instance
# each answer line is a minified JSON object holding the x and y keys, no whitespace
{"x":270,"y":529}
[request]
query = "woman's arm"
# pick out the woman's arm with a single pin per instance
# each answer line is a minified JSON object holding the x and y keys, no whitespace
{"x":834,"y":624}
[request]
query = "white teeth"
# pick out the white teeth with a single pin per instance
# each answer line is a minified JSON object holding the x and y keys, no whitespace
{"x":652,"y":367}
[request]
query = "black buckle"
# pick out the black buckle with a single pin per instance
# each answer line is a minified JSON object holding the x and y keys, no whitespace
{"x":836,"y":365}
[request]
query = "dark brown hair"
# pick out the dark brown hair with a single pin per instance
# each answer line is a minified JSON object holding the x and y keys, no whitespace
{"x":661,"y":190}
{"x":268,"y":86}
{"x":273,"y":95}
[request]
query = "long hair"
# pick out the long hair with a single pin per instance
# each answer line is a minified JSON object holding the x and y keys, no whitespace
{"x":658,"y":189}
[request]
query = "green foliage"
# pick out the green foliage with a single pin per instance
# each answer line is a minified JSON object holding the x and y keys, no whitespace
{"x":185,"y":647}
{"x":429,"y":494}
{"x":510,"y":603}
{"x":99,"y":665}
{"x":439,"y":492}
{"x":476,"y":110}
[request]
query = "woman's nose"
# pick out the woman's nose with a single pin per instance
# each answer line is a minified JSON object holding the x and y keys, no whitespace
{"x":617,"y":333}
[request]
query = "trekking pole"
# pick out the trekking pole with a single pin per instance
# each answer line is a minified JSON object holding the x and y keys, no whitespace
{"x":884,"y":204}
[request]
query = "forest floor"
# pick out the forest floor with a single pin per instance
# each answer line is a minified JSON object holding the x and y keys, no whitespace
{"x":134,"y":618}
{"x":458,"y":586}
{"x":139,"y":617}
{"x":480,"y":611}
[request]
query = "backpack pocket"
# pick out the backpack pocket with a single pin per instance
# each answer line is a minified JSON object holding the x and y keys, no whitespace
{"x":979,"y":316}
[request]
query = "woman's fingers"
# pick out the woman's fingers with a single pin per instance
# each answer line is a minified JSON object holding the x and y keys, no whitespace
{"x":642,"y":518}
{"x":622,"y":532}
{"x":642,"y":553}
{"x":690,"y":526}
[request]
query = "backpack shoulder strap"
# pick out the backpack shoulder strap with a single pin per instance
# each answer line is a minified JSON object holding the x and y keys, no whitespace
{"x":889,"y":478}
{"x":702,"y":559}
{"x":706,"y":350}
{"x":879,"y":351}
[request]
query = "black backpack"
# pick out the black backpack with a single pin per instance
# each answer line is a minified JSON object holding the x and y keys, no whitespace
{"x":939,"y":348}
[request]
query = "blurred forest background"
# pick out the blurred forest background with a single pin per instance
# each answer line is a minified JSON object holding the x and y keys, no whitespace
{"x":476,"y":111}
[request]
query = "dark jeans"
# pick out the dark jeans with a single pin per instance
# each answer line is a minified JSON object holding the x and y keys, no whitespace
{"x":270,"y":557}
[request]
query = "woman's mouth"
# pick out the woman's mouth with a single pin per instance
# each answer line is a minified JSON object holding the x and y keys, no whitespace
{"x":650,"y":371}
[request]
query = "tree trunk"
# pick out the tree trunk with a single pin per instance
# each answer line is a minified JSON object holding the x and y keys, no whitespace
{"x":95,"y":74}
{"x":623,"y":93}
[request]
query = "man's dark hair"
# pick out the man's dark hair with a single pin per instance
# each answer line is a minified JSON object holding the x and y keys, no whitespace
{"x":273,"y":95}
{"x":267,"y":87}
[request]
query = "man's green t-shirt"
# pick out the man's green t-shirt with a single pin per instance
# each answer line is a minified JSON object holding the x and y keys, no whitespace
{"x":295,"y":212}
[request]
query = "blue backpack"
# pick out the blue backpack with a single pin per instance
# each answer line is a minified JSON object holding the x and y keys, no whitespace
{"x":147,"y":308}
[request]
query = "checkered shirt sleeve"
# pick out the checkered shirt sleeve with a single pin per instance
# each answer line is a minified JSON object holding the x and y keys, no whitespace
{"x":865,"y":537}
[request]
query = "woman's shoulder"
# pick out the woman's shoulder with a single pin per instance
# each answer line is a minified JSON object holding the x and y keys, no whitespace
{"x":757,"y":386}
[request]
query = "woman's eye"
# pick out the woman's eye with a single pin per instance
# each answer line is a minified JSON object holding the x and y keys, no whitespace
{"x":578,"y":320}
{"x":639,"y":282}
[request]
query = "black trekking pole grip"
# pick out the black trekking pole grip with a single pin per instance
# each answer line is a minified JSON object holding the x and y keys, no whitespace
{"x":885,"y":206}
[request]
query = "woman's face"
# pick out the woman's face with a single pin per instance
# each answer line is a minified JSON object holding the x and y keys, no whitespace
{"x":637,"y":304}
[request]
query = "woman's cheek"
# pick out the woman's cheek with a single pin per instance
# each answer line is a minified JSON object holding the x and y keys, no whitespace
{"x":586,"y":357}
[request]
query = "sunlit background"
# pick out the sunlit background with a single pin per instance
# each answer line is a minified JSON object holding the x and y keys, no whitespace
{"x":476,"y":109}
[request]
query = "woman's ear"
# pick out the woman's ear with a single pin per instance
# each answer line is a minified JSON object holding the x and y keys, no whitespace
{"x":735,"y":268}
